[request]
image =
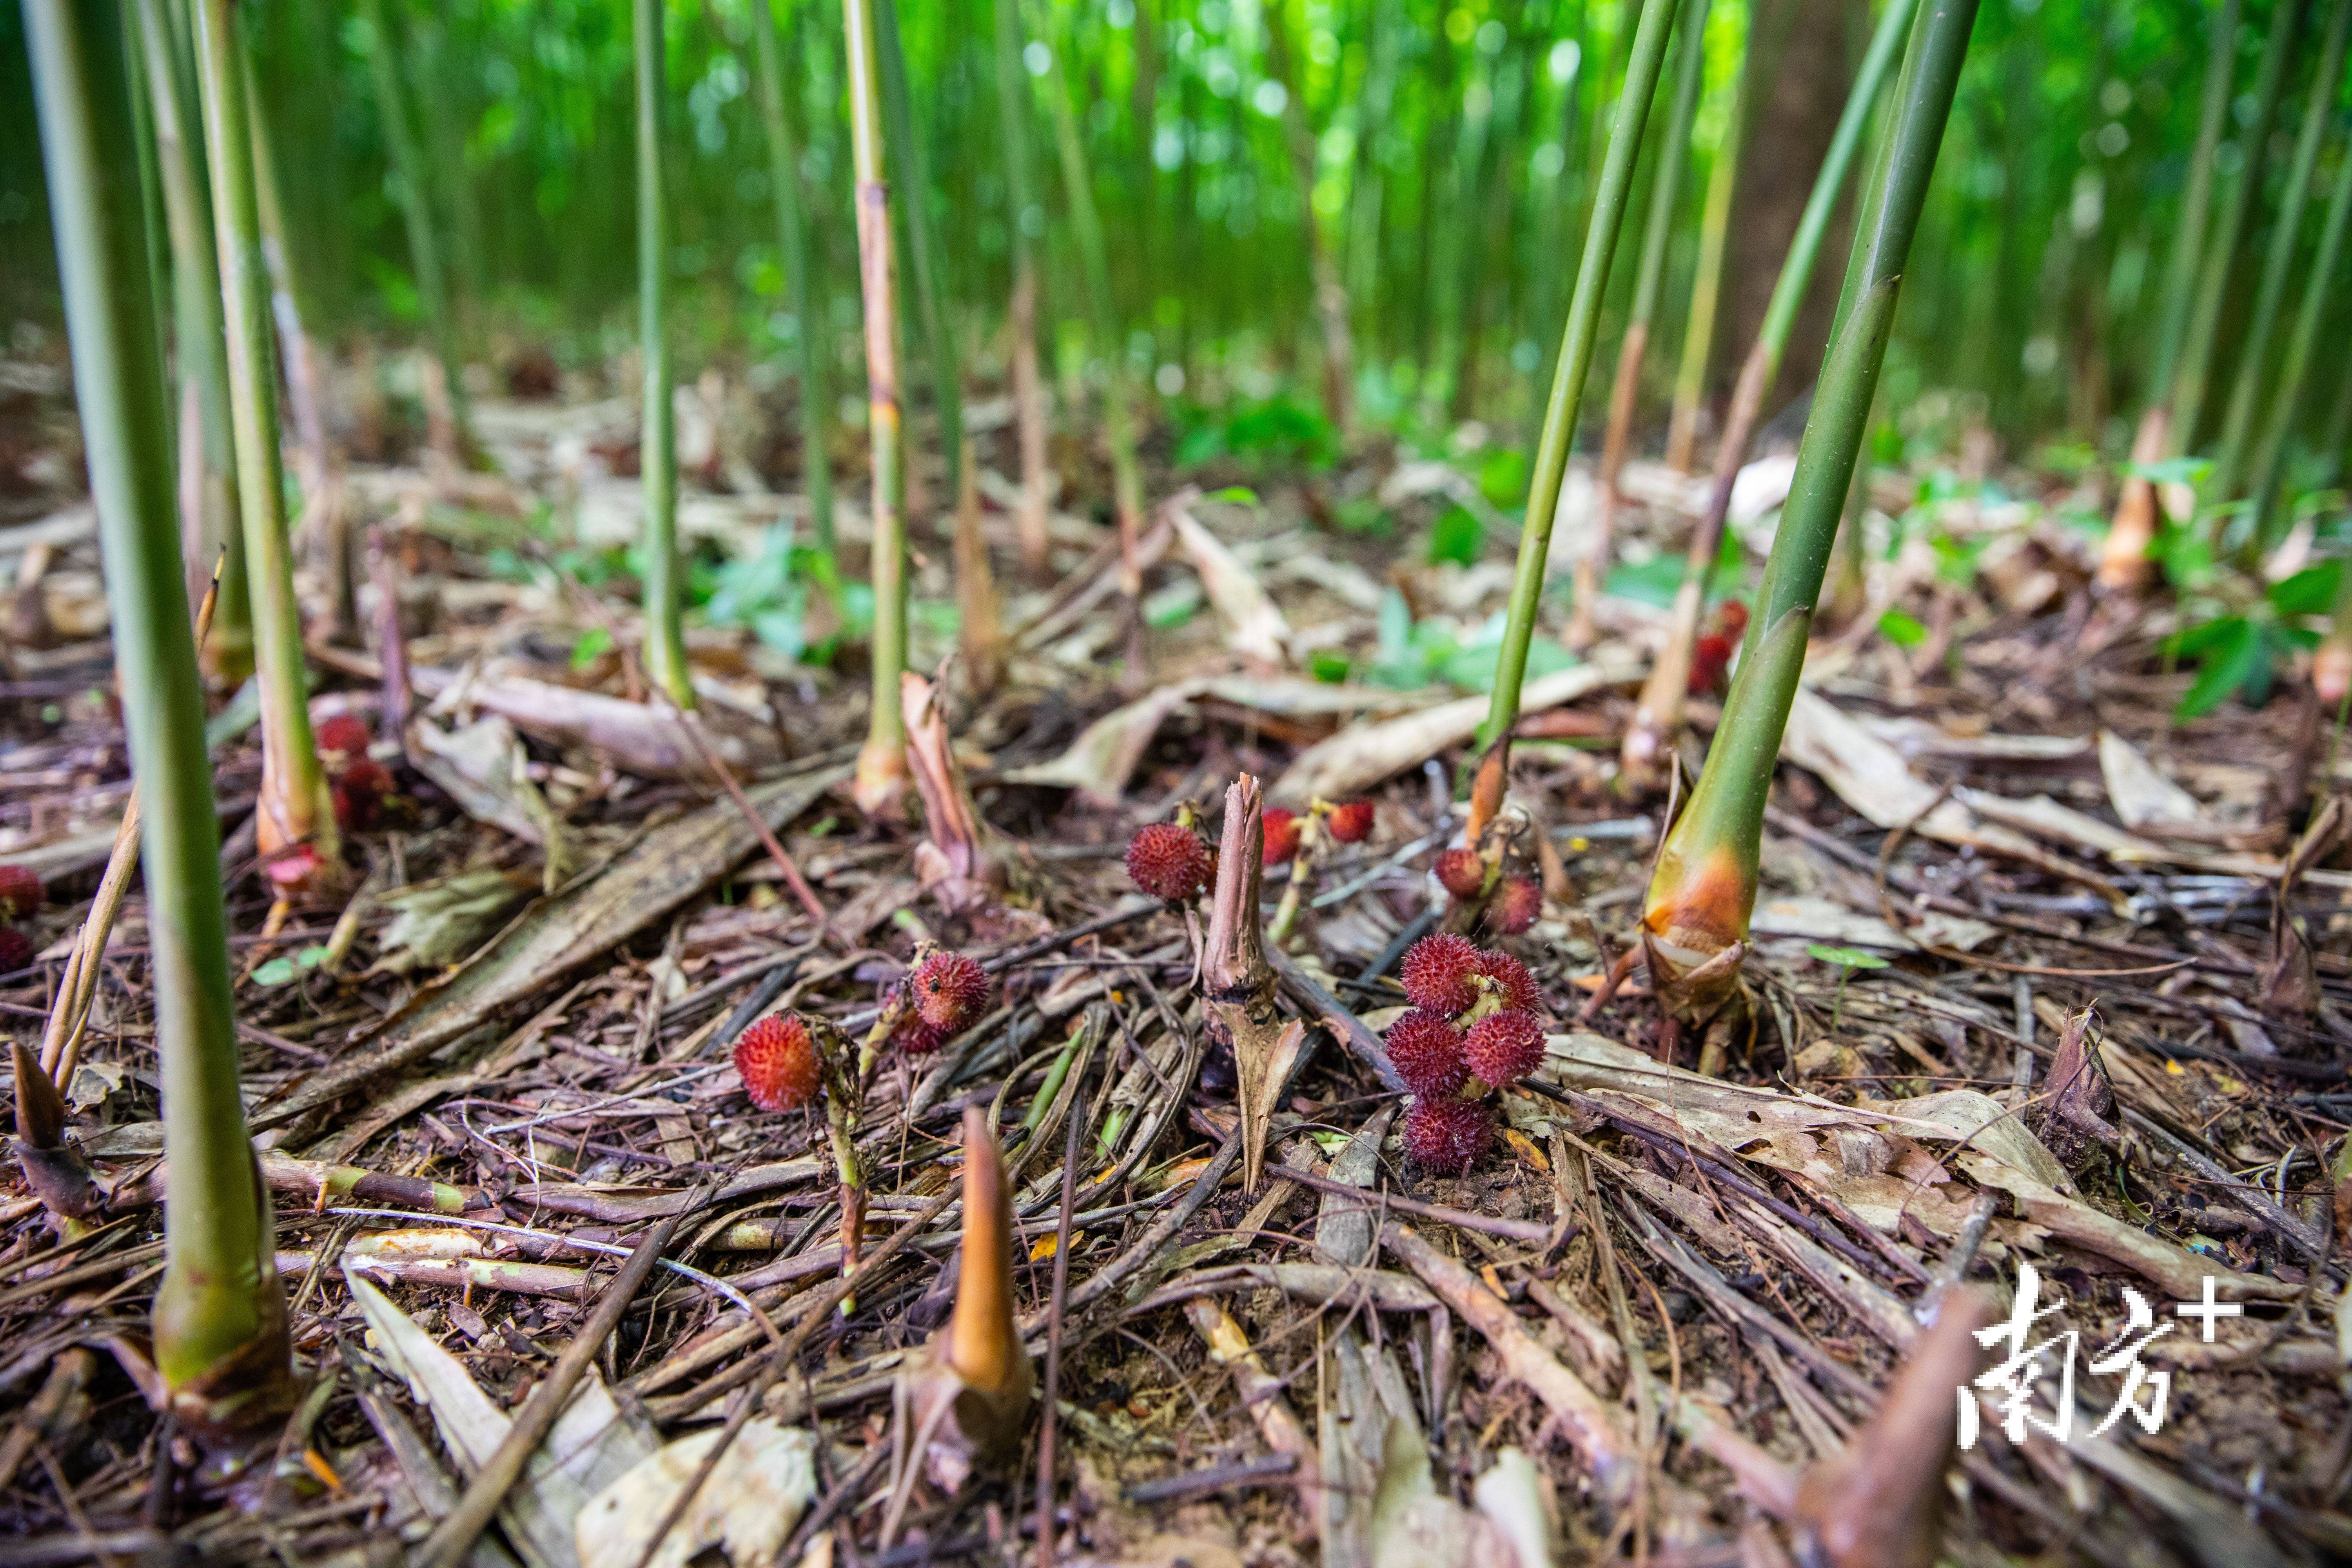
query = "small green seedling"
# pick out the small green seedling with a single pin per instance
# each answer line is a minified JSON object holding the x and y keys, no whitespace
{"x":1848,"y":960}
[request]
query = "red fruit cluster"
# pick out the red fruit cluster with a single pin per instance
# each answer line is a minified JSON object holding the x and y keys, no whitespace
{"x":344,"y":732}
{"x":1504,"y":1047}
{"x":1427,"y":1051}
{"x":1441,"y":974}
{"x":1352,"y":821}
{"x":1711,"y":654}
{"x":16,"y":950}
{"x":1445,"y":1137}
{"x":778,"y":1061}
{"x":1168,"y":862}
{"x":359,"y":792}
{"x":1281,"y":835}
{"x":950,"y":991}
{"x":1515,"y":906}
{"x":21,"y":891}
{"x":1460,"y":873}
{"x":1511,"y":978}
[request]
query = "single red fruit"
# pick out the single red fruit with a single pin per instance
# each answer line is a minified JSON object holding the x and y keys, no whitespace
{"x":918,"y":1036}
{"x":16,"y":950}
{"x":1511,"y":977}
{"x":1515,"y":906}
{"x":1504,"y":1047}
{"x":1460,"y":873}
{"x":778,"y":1061}
{"x":1168,"y":862}
{"x":1439,"y":974}
{"x":21,"y":891}
{"x":1444,"y":1137}
{"x":1351,"y":822}
{"x":344,"y":732}
{"x":1427,"y":1051}
{"x":1281,"y":835}
{"x":950,"y":991}
{"x":359,"y":794}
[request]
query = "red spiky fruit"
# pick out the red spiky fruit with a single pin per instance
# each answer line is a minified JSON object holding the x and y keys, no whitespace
{"x":778,"y":1061}
{"x":1440,"y":974}
{"x":1281,"y":835}
{"x":918,"y":1036}
{"x":1427,"y":1051}
{"x":1352,"y":821}
{"x":1444,"y":1137}
{"x":21,"y":891}
{"x":1512,"y":979}
{"x":1515,"y":906}
{"x":1504,"y":1047}
{"x":344,"y":732}
{"x":1168,"y":862}
{"x":1460,"y":873}
{"x":16,"y":950}
{"x":359,"y":793}
{"x":950,"y":989}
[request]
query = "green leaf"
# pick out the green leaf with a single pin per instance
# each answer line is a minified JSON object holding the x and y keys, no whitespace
{"x":1456,"y":536}
{"x":2188,"y":471}
{"x":277,"y":971}
{"x":1502,"y":476}
{"x":1845,"y":957}
{"x":590,"y":648}
{"x":1233,"y":495}
{"x":1328,"y":667}
{"x":1901,"y":629}
{"x":2234,"y":659}
{"x":2309,"y":592}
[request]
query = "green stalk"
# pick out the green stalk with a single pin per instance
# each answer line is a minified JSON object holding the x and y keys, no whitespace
{"x":208,"y":499}
{"x":784,"y":175}
{"x":294,"y":815}
{"x":413,"y":194}
{"x":881,"y":783}
{"x":2221,"y":253}
{"x":221,"y":1339}
{"x":2237,"y":423}
{"x":1695,"y":920}
{"x":1642,"y":71}
{"x":151,"y":176}
{"x":2124,"y":564}
{"x":1659,"y":712}
{"x":1689,"y":70}
{"x":2303,"y":340}
{"x":923,"y":248}
{"x":302,"y":367}
{"x":1094,"y":255}
{"x":1706,"y":286}
{"x":1028,"y":395}
{"x":665,"y":649}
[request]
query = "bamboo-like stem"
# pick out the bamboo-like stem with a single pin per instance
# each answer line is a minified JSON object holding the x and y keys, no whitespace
{"x":1659,"y":712}
{"x":1706,"y":285}
{"x":221,"y":1341}
{"x":784,"y":178}
{"x":2220,"y":262}
{"x":1331,"y":306}
{"x":2253,"y":364}
{"x":664,"y":644}
{"x":298,"y":360}
{"x":1694,"y":918}
{"x":294,"y":816}
{"x":1690,"y":68}
{"x":2303,"y":340}
{"x":153,"y":224}
{"x":412,"y":192}
{"x":924,"y":251}
{"x":882,"y":779}
{"x":1643,"y":68}
{"x":1028,"y":393}
{"x":1094,"y":255}
{"x":209,"y":512}
{"x":2124,"y":564}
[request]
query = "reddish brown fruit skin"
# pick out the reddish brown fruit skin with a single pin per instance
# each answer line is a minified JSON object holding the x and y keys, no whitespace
{"x":1516,"y":905}
{"x":950,"y":991}
{"x":1281,"y":835}
{"x":21,"y":891}
{"x":1439,"y":974}
{"x":917,"y":1036}
{"x":1445,"y":1137}
{"x":1518,"y":987}
{"x":1504,"y":1047}
{"x":359,"y":794}
{"x":1460,"y":873}
{"x":1427,"y":1053}
{"x":1351,"y":822}
{"x":1168,"y":862}
{"x":16,"y":950}
{"x":345,"y":732}
{"x":778,"y":1061}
